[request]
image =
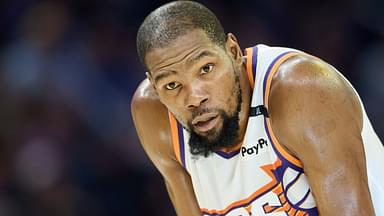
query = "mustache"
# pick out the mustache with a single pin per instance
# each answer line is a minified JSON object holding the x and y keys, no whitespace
{"x":201,"y":111}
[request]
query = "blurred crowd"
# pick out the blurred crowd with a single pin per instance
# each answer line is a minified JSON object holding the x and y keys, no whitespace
{"x":68,"y":70}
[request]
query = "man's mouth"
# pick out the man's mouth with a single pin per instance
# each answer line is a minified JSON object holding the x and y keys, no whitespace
{"x":205,"y":122}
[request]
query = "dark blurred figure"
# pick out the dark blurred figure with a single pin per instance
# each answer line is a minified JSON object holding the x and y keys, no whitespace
{"x":369,"y":18}
{"x":67,"y":143}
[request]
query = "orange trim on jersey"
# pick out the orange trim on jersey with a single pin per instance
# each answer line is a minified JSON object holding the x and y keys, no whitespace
{"x":278,"y":190}
{"x":292,"y":212}
{"x":282,"y":198}
{"x":175,"y":136}
{"x":278,"y":146}
{"x":300,"y":213}
{"x":268,"y":208}
{"x":269,"y":171}
{"x":284,"y":208}
{"x":249,"y":53}
{"x":249,"y":209}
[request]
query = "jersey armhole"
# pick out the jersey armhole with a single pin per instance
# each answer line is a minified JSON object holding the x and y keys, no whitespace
{"x":272,"y":69}
{"x":177,"y":139}
{"x":251,"y":64}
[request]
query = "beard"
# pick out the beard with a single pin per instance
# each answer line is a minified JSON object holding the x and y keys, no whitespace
{"x":227,"y":136}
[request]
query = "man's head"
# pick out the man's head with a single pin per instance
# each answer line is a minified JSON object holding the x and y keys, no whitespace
{"x":173,"y":20}
{"x":194,"y":68}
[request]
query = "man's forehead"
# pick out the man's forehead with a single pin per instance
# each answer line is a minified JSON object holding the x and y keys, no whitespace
{"x":178,"y":49}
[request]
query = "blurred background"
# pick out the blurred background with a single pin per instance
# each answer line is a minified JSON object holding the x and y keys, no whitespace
{"x":68,"y":70}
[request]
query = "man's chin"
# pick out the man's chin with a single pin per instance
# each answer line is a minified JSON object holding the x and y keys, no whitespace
{"x":211,"y":135}
{"x":223,"y":134}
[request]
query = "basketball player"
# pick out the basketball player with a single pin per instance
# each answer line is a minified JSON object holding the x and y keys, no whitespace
{"x":268,"y":131}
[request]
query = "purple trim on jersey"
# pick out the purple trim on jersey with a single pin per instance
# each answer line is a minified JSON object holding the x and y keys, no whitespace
{"x":284,"y":161}
{"x":279,"y":172}
{"x":181,"y":143}
{"x":227,"y":155}
{"x":270,"y":68}
{"x":255,"y":50}
{"x":312,"y":212}
{"x":305,"y":198}
{"x":265,"y":120}
{"x":292,"y":182}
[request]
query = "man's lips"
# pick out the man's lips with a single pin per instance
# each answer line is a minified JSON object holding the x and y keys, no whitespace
{"x":205,"y":122}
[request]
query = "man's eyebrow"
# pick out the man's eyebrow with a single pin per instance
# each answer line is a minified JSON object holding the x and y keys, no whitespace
{"x":199,"y":56}
{"x":162,"y":75}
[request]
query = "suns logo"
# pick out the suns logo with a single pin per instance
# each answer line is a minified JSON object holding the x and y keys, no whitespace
{"x":289,"y":196}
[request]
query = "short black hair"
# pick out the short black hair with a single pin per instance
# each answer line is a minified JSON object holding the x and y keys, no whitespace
{"x":173,"y":20}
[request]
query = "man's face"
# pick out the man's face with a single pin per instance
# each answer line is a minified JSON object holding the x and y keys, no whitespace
{"x":198,"y":81}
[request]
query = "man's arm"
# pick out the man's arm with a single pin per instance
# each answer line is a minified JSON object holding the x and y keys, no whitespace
{"x":317,"y":117}
{"x":152,"y":126}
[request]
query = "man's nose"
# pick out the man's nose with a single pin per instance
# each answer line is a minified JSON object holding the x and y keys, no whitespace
{"x":196,"y":98}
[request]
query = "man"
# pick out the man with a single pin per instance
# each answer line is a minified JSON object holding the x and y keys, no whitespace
{"x":273,"y":131}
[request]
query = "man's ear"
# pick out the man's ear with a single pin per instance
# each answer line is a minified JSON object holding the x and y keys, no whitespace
{"x":233,"y":48}
{"x":149,"y":77}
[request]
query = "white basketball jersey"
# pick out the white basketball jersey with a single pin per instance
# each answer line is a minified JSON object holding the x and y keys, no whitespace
{"x":259,"y":177}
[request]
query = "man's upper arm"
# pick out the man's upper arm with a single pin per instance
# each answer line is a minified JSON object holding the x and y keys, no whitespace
{"x":149,"y":116}
{"x":151,"y":121}
{"x":317,"y":117}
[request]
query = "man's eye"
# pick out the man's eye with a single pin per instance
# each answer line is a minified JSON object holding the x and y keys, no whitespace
{"x":172,"y":85}
{"x":206,"y":68}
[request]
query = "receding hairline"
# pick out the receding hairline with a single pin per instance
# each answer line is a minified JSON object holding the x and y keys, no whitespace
{"x":201,"y":47}
{"x":173,"y":20}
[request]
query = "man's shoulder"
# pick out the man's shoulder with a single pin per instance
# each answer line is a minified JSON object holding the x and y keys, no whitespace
{"x":307,"y":84}
{"x":145,"y":100}
{"x":304,"y":76}
{"x":147,"y":110}
{"x":304,"y":67}
{"x":145,"y":94}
